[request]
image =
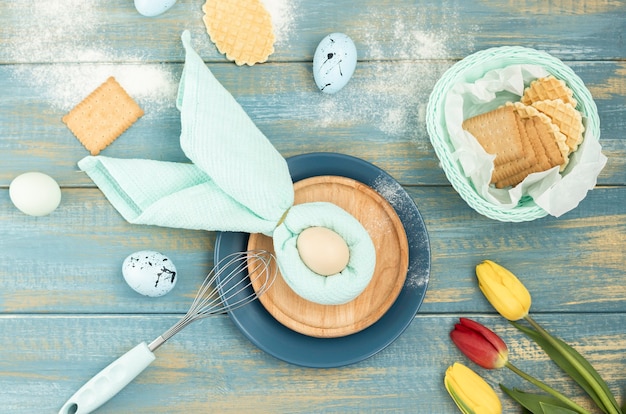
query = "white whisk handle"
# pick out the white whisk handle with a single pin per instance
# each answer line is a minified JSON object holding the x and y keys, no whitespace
{"x":109,"y":381}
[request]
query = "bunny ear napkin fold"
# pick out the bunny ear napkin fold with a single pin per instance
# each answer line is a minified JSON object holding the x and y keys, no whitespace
{"x":237,"y":181}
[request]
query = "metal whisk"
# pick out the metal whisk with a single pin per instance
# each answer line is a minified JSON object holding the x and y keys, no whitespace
{"x":225,"y":288}
{"x":225,"y":279}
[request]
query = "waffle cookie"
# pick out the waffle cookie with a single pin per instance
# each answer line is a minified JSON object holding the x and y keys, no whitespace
{"x":566,"y":117}
{"x":102,"y":116}
{"x":548,"y":88}
{"x":241,"y":29}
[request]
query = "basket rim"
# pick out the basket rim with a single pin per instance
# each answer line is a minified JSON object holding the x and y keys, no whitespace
{"x":526,"y":210}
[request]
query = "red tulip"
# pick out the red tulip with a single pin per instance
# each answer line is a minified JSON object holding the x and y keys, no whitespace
{"x":480,"y":344}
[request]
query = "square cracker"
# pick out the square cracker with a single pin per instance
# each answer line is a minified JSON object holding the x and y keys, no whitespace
{"x":543,"y":142}
{"x":512,"y":168}
{"x":498,"y":133}
{"x":102,"y":116}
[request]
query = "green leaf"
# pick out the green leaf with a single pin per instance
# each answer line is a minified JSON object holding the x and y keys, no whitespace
{"x":561,"y":361}
{"x":557,"y":354}
{"x":537,"y":403}
{"x":551,"y":409}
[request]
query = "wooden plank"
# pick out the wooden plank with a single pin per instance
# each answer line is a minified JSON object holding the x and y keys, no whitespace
{"x":423,"y":29}
{"x":569,"y":264}
{"x":210,"y":366}
{"x":379,"y":117}
{"x":66,"y":312}
{"x":71,"y":260}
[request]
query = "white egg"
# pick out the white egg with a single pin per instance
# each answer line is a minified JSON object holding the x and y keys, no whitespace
{"x":151,"y":8}
{"x":149,"y":273}
{"x":35,"y":193}
{"x":323,"y":251}
{"x":334,"y":62}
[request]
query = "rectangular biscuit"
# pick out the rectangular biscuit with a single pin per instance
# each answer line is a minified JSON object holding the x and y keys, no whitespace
{"x":102,"y":116}
{"x":497,"y":132}
{"x":546,"y":151}
{"x":515,"y":167}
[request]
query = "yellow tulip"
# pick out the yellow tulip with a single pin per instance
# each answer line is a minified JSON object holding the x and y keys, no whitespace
{"x":470,"y":392}
{"x":503,"y":290}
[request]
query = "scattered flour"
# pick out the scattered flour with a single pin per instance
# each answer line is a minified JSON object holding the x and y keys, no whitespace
{"x":283,"y":14}
{"x":404,"y":206}
{"x":153,"y":86}
{"x":71,"y":31}
{"x":55,"y":30}
{"x":394,"y":97}
{"x":74,"y":31}
{"x":395,"y":195}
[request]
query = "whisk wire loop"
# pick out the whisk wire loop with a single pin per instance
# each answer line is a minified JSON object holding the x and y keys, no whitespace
{"x":227,"y":288}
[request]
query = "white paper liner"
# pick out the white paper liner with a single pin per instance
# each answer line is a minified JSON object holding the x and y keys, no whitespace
{"x":555,"y":193}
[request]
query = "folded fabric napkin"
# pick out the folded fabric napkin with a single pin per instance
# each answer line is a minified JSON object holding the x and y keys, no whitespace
{"x":237,"y":181}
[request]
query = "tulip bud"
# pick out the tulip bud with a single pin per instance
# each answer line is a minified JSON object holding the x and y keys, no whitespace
{"x":470,"y":392}
{"x":503,"y":290}
{"x":480,"y":344}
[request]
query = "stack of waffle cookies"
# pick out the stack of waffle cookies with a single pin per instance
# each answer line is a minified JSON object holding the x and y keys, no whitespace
{"x":535,"y":134}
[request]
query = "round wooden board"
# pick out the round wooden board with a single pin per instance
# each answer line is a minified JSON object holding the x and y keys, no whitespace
{"x":387,"y":232}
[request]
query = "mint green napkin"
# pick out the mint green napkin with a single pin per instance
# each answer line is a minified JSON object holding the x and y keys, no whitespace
{"x":237,"y":181}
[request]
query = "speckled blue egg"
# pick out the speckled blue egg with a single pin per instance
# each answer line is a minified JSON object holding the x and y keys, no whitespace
{"x":149,"y":273}
{"x":334,"y":62}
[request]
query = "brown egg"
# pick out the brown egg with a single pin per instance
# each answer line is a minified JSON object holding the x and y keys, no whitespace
{"x":323,"y":251}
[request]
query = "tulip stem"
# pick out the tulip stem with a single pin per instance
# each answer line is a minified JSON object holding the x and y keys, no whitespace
{"x":608,"y":405}
{"x":571,"y":404}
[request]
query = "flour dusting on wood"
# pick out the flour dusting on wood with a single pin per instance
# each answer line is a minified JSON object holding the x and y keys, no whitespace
{"x":64,"y":31}
{"x":153,"y":87}
{"x":394,"y":97}
{"x":60,"y":31}
{"x":283,"y":15}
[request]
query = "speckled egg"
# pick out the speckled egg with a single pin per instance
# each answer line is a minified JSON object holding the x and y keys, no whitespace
{"x":334,"y":62}
{"x":149,"y":273}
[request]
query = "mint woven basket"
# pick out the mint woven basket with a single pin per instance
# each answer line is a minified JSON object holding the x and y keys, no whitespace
{"x":469,"y":70}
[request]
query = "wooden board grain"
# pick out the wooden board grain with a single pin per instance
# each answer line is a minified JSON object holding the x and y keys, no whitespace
{"x":387,"y":233}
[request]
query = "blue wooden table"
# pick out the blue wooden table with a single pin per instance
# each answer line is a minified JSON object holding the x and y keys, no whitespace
{"x":66,"y":312}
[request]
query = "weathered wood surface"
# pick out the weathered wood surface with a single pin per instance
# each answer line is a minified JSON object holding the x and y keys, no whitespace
{"x":211,"y":367}
{"x":65,"y":311}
